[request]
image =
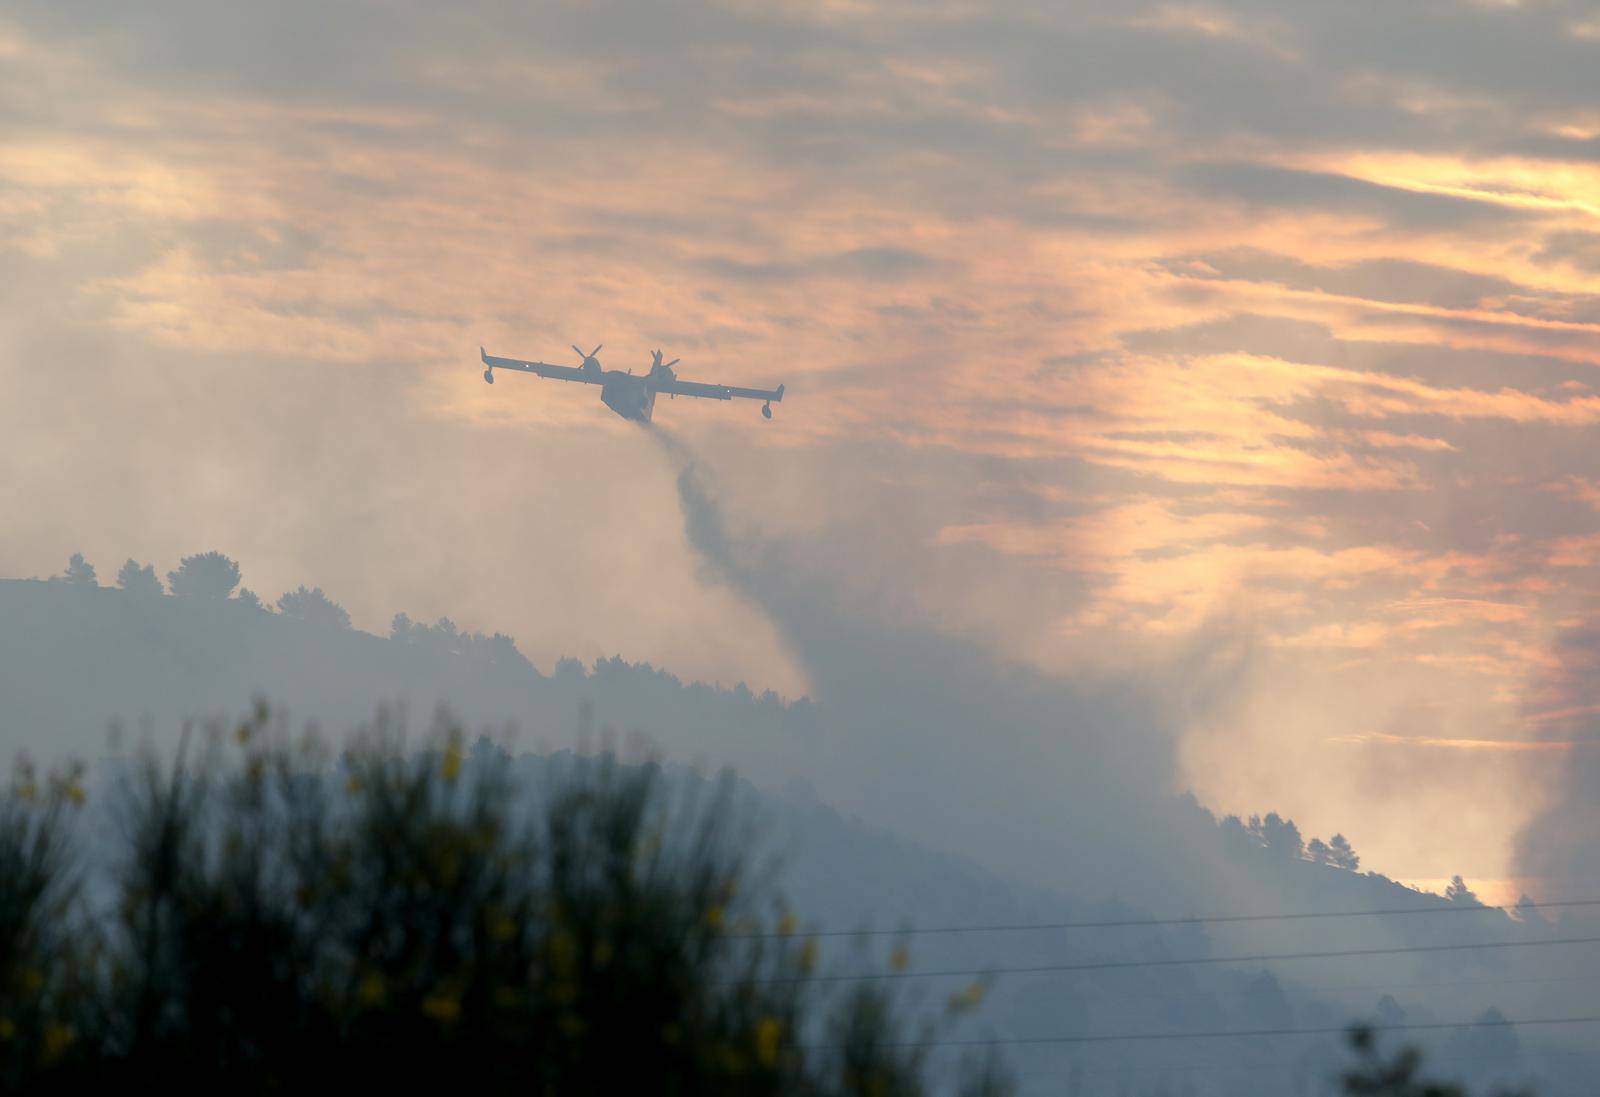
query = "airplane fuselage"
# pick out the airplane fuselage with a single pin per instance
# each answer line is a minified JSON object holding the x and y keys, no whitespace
{"x":630,"y":396}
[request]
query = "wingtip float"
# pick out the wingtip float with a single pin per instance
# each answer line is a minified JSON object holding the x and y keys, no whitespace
{"x":630,"y":396}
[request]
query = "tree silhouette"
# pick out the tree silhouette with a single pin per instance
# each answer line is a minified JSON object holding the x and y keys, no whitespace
{"x":248,"y":597}
{"x":1459,"y":892}
{"x":209,"y":576}
{"x":1236,"y":837}
{"x":1341,"y":855}
{"x":1318,"y":853}
{"x":1397,"y":1075}
{"x":79,"y":571}
{"x":418,"y":922}
{"x":140,"y":580}
{"x":1281,"y":837}
{"x":313,"y":607}
{"x":569,"y":669}
{"x":444,"y":636}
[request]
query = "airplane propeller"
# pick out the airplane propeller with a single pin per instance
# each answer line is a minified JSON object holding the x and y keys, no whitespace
{"x":590,"y":357}
{"x":657,"y":365}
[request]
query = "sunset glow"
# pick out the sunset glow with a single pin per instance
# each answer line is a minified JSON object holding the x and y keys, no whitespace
{"x":1176,"y":321}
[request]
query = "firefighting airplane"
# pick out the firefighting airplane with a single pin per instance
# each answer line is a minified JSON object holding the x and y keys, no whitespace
{"x":629,"y":396}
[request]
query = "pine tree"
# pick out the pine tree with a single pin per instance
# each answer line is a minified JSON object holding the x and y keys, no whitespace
{"x":79,"y":571}
{"x":139,"y":579}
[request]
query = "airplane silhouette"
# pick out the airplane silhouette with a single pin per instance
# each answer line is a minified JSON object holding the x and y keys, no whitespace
{"x":629,"y":396}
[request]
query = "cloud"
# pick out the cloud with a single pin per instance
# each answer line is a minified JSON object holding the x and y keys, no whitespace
{"x":1269,"y":186}
{"x":1402,"y":281}
{"x":1511,"y":745}
{"x":1099,"y":325}
{"x":883,"y":263}
{"x":1578,"y":249}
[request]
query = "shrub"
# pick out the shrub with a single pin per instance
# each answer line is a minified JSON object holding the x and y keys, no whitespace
{"x":405,"y":920}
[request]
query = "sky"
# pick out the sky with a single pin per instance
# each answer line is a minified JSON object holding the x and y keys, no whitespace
{"x":1245,"y":351}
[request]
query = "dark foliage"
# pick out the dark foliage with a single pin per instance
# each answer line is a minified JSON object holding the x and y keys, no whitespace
{"x":313,"y":607}
{"x":399,"y":921}
{"x":207,"y":575}
{"x":443,"y":637}
{"x":79,"y":571}
{"x":1396,"y":1075}
{"x":139,"y":579}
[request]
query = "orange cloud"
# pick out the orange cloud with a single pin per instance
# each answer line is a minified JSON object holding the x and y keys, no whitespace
{"x":1514,"y":746}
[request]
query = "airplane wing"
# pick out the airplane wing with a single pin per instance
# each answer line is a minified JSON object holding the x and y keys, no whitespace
{"x":717,"y":392}
{"x":543,"y":369}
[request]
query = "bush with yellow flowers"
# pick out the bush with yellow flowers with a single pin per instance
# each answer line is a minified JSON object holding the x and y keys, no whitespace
{"x":275,"y":918}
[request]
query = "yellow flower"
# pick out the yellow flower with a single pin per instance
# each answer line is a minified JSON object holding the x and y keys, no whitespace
{"x":967,"y":999}
{"x":899,"y":959}
{"x":242,"y":733}
{"x":452,"y":765}
{"x":57,"y":1038}
{"x":352,"y":785}
{"x":787,"y":924}
{"x":371,"y":990}
{"x":444,"y":1008}
{"x":8,"y":1028}
{"x":769,"y":1032}
{"x":714,"y":917}
{"x":808,"y":955}
{"x":563,"y":954}
{"x":74,"y":793}
{"x":27,"y":791}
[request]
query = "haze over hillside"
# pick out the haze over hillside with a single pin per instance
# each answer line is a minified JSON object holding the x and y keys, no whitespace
{"x":74,"y":655}
{"x":1099,"y":462}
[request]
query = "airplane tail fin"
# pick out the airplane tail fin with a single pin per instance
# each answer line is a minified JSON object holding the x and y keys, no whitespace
{"x":778,"y":396}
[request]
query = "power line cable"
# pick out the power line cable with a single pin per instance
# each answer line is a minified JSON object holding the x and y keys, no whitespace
{"x":1123,"y":995}
{"x":1524,"y":1057}
{"x":1109,"y":965}
{"x":1115,"y":1038}
{"x":1217,"y":919}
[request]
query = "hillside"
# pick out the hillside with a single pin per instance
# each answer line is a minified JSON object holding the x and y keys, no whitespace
{"x":75,"y":658}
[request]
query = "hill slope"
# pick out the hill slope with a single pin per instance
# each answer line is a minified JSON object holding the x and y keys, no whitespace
{"x":73,"y":658}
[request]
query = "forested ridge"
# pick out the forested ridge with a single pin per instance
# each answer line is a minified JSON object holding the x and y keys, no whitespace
{"x":74,"y":655}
